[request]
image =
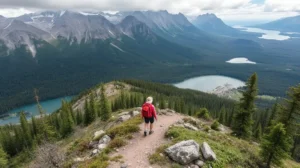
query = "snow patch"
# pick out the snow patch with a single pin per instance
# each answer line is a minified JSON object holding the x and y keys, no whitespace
{"x":87,"y":14}
{"x":240,"y":61}
{"x":116,"y":47}
{"x":62,"y":13}
{"x":111,"y":33}
{"x":8,"y":25}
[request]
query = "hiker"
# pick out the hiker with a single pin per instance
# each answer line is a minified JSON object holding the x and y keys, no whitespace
{"x":149,"y":114}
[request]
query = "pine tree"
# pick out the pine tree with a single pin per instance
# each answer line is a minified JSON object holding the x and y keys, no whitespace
{"x":92,"y":107}
{"x":275,"y":145}
{"x":26,"y":130}
{"x":79,"y":117}
{"x":274,"y":112}
{"x":104,"y":104}
{"x":222,"y":116}
{"x":87,"y":119}
{"x":3,"y":158}
{"x":162,"y":104}
{"x":289,"y":114}
{"x":67,"y":123}
{"x":34,"y":126}
{"x":243,"y":118}
{"x":258,"y":132}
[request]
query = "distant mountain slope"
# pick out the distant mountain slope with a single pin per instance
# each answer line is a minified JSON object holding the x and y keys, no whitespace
{"x":289,"y":24}
{"x":211,"y":23}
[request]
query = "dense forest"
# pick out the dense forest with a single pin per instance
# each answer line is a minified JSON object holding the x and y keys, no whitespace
{"x":80,"y":66}
{"x":247,"y":121}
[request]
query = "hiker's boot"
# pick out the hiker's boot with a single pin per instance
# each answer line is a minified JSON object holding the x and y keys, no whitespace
{"x":145,"y":133}
{"x":151,"y":132}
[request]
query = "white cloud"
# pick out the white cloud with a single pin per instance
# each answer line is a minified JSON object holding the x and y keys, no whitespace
{"x":226,"y":9}
{"x":282,"y":5}
{"x":13,"y":12}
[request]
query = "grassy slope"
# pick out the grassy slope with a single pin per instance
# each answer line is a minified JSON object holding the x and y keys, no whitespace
{"x":231,"y":152}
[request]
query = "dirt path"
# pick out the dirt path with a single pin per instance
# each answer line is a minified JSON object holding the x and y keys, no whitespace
{"x":135,"y":154}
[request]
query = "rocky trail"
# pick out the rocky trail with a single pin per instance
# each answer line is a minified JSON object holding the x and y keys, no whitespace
{"x":135,"y":153}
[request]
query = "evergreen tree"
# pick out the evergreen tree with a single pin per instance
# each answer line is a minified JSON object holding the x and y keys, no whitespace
{"x":246,"y":108}
{"x":162,"y":104}
{"x":67,"y":123}
{"x":275,"y":145}
{"x":222,"y":117}
{"x":258,"y":132}
{"x":274,"y":112}
{"x":26,"y":130}
{"x":87,"y":116}
{"x":3,"y":158}
{"x":289,"y":114}
{"x":79,"y":118}
{"x":34,"y":126}
{"x":104,"y":104}
{"x":92,"y":107}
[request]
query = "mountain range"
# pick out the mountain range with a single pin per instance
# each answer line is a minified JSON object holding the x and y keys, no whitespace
{"x":63,"y":52}
{"x":289,"y":24}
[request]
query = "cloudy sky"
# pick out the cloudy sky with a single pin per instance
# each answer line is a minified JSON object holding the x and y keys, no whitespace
{"x":232,"y":11}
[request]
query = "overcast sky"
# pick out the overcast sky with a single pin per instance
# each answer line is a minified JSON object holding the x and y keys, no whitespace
{"x":228,"y":10}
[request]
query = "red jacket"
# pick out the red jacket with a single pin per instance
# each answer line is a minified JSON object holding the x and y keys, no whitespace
{"x":152,"y":110}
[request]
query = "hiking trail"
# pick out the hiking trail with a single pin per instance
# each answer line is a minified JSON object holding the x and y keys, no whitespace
{"x":136,"y":152}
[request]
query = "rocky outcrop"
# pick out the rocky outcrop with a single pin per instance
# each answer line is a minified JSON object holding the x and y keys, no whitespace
{"x":207,"y":152}
{"x":98,"y":134}
{"x":105,"y":139}
{"x":124,"y":118}
{"x":184,"y":152}
{"x":190,"y":126}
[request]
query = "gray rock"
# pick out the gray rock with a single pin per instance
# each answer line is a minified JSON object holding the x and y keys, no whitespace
{"x":93,"y":144}
{"x":134,"y":113}
{"x":102,"y":146}
{"x":97,"y":134}
{"x":124,"y":118}
{"x":180,"y":122}
{"x":124,"y":113}
{"x":105,"y":139}
{"x":79,"y":159}
{"x":184,"y":152}
{"x":207,"y":152}
{"x":123,"y":166}
{"x":200,"y":163}
{"x":95,"y":152}
{"x":190,"y":126}
{"x":192,"y":166}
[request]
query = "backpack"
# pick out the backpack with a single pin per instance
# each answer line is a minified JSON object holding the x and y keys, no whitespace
{"x":146,"y":110}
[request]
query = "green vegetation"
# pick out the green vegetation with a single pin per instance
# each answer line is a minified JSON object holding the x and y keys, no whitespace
{"x":243,"y":118}
{"x":203,"y":113}
{"x":215,"y":125}
{"x":275,"y":146}
{"x":105,"y":109}
{"x":3,"y":158}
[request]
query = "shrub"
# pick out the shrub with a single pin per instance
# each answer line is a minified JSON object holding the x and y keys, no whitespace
{"x":215,"y":125}
{"x":203,"y":113}
{"x":206,"y":128}
{"x":117,"y":143}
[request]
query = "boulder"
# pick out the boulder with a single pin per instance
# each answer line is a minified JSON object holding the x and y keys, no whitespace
{"x":184,"y":152}
{"x":207,"y":152}
{"x":190,"y":126}
{"x":105,"y":139}
{"x":191,"y":166}
{"x":93,"y":144}
{"x":124,"y":113}
{"x":79,"y":159}
{"x":97,"y":134}
{"x":199,"y":163}
{"x":134,"y":113}
{"x":95,"y":152}
{"x":102,"y":146}
{"x":124,"y":118}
